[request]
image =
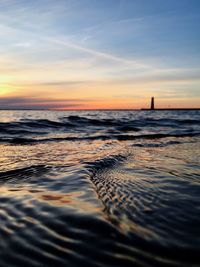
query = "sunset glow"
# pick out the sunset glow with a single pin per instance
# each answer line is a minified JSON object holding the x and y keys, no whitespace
{"x":99,"y":54}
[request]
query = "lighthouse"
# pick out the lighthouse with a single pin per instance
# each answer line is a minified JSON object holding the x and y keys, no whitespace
{"x":152,"y":103}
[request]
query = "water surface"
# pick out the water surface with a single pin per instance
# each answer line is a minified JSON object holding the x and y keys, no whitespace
{"x":100,"y":188}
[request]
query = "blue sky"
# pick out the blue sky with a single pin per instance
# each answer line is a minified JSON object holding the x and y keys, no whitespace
{"x":99,"y":54}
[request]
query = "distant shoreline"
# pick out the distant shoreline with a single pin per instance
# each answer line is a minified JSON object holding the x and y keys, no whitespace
{"x":142,"y":109}
{"x":170,"y":109}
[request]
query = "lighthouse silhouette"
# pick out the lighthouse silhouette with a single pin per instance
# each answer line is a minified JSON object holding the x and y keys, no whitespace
{"x":152,"y":103}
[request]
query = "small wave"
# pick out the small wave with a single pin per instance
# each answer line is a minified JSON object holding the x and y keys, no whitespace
{"x":17,"y":140}
{"x":165,"y":122}
{"x":37,"y":127}
{"x":41,"y":123}
{"x":27,"y":141}
{"x":108,"y":162}
{"x":145,"y":204}
{"x":128,"y":128}
{"x":95,"y":122}
{"x":160,"y":144}
{"x":7,"y":131}
{"x":22,"y":173}
{"x":32,"y":126}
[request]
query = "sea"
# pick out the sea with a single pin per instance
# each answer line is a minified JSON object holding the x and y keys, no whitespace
{"x":100,"y":188}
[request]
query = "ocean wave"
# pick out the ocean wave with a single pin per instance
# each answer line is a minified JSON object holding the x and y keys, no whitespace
{"x":144,"y":204}
{"x":94,"y":188}
{"x":73,"y":123}
{"x":122,"y":137}
{"x":22,"y":173}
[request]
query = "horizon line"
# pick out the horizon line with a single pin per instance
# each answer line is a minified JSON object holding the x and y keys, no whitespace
{"x":98,"y":109}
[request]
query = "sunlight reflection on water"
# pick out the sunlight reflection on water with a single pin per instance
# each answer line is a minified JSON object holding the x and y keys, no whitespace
{"x":99,"y":201}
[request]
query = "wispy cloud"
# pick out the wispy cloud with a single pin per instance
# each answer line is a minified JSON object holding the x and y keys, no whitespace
{"x":40,"y":103}
{"x":23,"y":44}
{"x":131,"y":63}
{"x":77,"y":49}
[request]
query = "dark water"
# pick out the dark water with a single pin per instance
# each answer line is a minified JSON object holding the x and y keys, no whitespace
{"x":94,"y":188}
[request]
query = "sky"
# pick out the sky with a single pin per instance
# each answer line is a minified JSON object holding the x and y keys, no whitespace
{"x":99,"y":54}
